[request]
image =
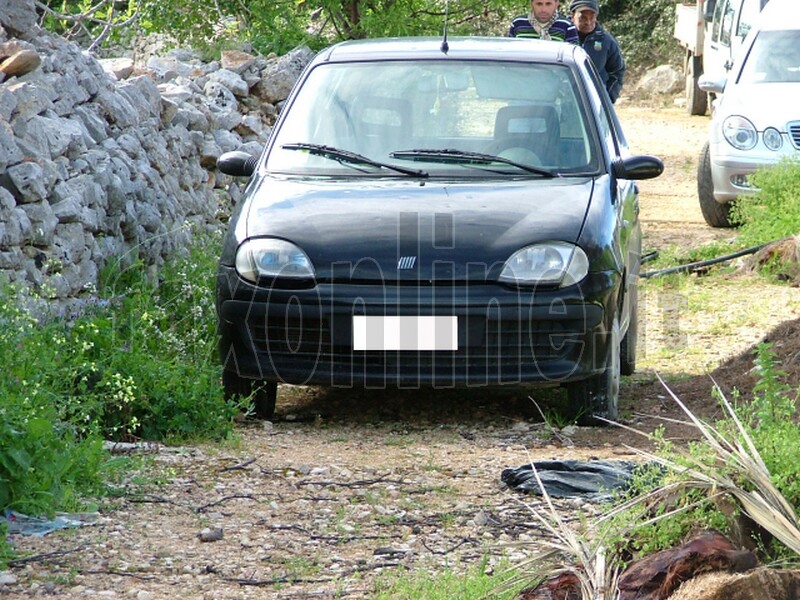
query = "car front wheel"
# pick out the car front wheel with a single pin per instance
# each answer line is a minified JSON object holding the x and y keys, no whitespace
{"x":715,"y":214}
{"x":263,"y":394}
{"x":598,"y":396}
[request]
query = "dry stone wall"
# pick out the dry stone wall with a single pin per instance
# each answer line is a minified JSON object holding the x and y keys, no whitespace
{"x":107,"y":160}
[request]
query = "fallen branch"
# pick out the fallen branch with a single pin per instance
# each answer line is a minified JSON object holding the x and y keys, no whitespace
{"x":237,"y":467}
{"x":18,"y":562}
{"x":223,"y":500}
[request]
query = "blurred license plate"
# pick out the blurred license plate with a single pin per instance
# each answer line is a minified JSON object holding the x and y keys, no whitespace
{"x":405,"y":333}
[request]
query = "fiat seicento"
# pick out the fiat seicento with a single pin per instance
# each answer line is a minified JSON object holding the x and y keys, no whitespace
{"x":436,"y":214}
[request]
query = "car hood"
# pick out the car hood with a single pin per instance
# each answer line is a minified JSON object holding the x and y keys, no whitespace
{"x":395,"y":230}
{"x":764,"y":104}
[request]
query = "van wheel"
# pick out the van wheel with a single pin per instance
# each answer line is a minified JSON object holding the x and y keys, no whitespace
{"x":263,"y":394}
{"x":598,"y":396}
{"x":715,"y":214}
{"x":696,"y":99}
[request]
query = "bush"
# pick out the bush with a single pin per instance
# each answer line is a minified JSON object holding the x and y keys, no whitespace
{"x":137,"y":360}
{"x":644,"y":30}
{"x":773,"y":212}
{"x":770,"y":420}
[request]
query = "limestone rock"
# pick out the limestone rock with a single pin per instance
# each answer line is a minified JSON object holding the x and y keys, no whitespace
{"x":20,"y":63}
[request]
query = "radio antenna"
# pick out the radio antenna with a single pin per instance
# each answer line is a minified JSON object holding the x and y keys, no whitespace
{"x":445,"y":46}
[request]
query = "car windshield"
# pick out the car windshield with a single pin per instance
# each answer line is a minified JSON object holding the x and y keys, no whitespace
{"x":411,"y":114}
{"x":774,"y":57}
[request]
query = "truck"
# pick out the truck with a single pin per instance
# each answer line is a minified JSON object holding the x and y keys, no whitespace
{"x":711,"y":32}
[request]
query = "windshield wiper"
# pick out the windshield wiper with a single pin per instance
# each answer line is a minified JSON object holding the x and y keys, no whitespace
{"x":450,"y":155}
{"x":346,"y":156}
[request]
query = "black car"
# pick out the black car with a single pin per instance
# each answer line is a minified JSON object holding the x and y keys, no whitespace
{"x":436,"y":214}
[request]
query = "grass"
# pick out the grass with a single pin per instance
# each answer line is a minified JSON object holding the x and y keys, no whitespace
{"x":475,"y":583}
{"x":134,"y":359}
{"x":689,"y":324}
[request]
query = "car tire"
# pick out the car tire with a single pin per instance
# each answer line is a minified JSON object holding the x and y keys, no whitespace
{"x":598,"y":396}
{"x":696,"y":99}
{"x":715,"y":214}
{"x":627,"y":350}
{"x":263,"y":394}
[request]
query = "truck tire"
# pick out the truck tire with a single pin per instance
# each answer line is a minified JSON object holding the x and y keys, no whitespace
{"x":715,"y":214}
{"x":696,"y":99}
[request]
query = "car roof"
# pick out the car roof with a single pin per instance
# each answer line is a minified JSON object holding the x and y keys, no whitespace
{"x":458,"y":48}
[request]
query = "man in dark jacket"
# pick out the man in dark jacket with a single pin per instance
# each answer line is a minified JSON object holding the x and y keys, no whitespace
{"x":544,"y":23}
{"x":599,"y":45}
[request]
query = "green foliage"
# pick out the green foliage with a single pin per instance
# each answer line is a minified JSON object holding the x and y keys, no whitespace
{"x":643,"y":27}
{"x":472,"y":585}
{"x":136,"y":360}
{"x":771,"y":421}
{"x":642,"y":530}
{"x":644,"y":30}
{"x":773,"y":212}
{"x":145,"y":364}
{"x":279,"y":26}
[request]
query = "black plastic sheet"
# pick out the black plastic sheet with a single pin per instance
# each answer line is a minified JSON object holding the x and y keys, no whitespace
{"x":593,"y":480}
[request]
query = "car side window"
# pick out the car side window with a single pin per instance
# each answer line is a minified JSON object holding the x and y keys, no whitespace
{"x":718,"y":12}
{"x":747,"y":17}
{"x":605,"y":126}
{"x":727,"y":25}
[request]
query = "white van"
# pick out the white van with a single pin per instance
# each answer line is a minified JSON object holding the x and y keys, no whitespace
{"x":711,"y":32}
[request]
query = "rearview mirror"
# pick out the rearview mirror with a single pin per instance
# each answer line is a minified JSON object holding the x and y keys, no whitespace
{"x":237,"y":163}
{"x":642,"y":166}
{"x":711,"y":85}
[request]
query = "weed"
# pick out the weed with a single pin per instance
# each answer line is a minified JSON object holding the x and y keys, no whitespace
{"x":134,"y":359}
{"x":474,"y":584}
{"x":774,"y":211}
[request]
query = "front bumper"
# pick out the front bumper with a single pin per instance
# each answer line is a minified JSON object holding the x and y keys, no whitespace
{"x":505,"y":335}
{"x":727,"y":168}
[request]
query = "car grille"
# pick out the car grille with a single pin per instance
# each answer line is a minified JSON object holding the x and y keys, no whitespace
{"x":794,"y":133}
{"x":490,"y":343}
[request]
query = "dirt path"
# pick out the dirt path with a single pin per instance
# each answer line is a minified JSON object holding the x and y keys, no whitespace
{"x":348,"y":487}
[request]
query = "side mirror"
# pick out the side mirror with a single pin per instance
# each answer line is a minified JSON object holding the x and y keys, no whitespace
{"x":711,"y":85}
{"x":237,"y":163}
{"x":642,"y":166}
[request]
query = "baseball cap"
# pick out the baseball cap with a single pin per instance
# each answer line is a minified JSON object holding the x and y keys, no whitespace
{"x":577,"y":5}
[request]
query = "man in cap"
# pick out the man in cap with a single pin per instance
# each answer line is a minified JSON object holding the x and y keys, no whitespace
{"x":544,"y":23}
{"x":599,"y":45}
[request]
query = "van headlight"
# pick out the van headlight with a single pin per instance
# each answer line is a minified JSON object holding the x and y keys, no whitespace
{"x":272,"y":258}
{"x":552,"y":263}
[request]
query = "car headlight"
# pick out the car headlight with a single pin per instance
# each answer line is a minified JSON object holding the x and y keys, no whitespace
{"x":740,"y":133}
{"x":553,"y":263}
{"x":772,"y":138}
{"x":271,"y":258}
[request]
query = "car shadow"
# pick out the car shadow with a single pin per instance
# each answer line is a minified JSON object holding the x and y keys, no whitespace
{"x":422,"y":406}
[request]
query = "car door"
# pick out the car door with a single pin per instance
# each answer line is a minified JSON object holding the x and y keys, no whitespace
{"x":625,"y":194}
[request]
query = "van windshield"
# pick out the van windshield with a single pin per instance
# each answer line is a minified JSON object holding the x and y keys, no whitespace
{"x":774,"y":57}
